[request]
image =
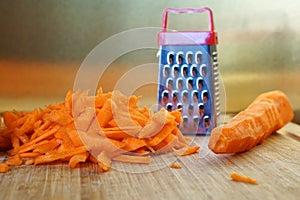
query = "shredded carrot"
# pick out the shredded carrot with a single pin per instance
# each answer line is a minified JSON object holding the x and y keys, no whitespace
{"x":187,"y":150}
{"x":175,"y":166}
{"x":15,"y":160}
{"x":3,"y":167}
{"x":57,"y":156}
{"x":99,"y":129}
{"x":46,"y":146}
{"x":30,"y":154}
{"x":93,"y":159}
{"x":133,"y":159}
{"x":29,"y":162}
{"x":240,"y":178}
{"x":104,"y":161}
{"x":76,"y":159}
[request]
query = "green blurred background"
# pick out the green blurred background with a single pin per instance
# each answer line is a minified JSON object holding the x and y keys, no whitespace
{"x":43,"y":43}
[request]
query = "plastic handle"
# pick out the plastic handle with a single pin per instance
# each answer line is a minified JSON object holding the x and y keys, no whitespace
{"x":187,"y":10}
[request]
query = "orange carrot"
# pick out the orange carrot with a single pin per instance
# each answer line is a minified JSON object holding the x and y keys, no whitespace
{"x":240,"y":178}
{"x":46,"y":146}
{"x":104,"y":161}
{"x":116,"y":134}
{"x":162,"y":134}
{"x":74,"y":136}
{"x":38,"y":139}
{"x":29,"y":162}
{"x":109,"y":125}
{"x":133,"y":159}
{"x":269,"y":112}
{"x":40,"y":129}
{"x":31,"y":147}
{"x":3,"y":167}
{"x":76,"y":159}
{"x":187,"y":150}
{"x":175,"y":166}
{"x":93,"y":159}
{"x":132,"y":143}
{"x":9,"y":118}
{"x":105,"y":114}
{"x":141,"y":152}
{"x":30,"y":154}
{"x":101,"y":98}
{"x":57,"y":156}
{"x":15,"y":160}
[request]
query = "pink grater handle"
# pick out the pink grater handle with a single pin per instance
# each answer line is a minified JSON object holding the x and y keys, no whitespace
{"x":187,"y":10}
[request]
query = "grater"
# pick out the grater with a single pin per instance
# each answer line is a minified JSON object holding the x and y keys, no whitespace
{"x":188,"y":74}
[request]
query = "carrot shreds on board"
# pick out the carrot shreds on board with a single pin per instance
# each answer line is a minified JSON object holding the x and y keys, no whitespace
{"x":98,"y":129}
{"x":3,"y":167}
{"x":187,"y":150}
{"x":76,"y":159}
{"x":175,"y":166}
{"x":74,"y":136}
{"x":57,"y":156}
{"x":104,"y":161}
{"x":132,"y":159}
{"x":92,"y":158}
{"x":161,"y":135}
{"x":30,"y":154}
{"x":142,"y":152}
{"x":167,"y":144}
{"x":15,"y":160}
{"x":15,"y":141}
{"x":40,"y":130}
{"x":40,"y":138}
{"x":47,"y":146}
{"x":31,"y":147}
{"x":240,"y":178}
{"x":116,"y":134}
{"x":132,"y":143}
{"x":9,"y":118}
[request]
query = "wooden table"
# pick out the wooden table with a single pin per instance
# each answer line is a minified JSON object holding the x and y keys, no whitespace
{"x":275,"y":164}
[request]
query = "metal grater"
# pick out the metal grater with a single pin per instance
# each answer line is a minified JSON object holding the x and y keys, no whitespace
{"x":188,"y":74}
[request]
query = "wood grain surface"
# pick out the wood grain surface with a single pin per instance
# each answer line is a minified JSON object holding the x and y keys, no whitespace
{"x":275,"y":165}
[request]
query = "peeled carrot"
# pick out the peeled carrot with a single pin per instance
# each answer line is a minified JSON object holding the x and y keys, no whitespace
{"x":240,"y":178}
{"x":266,"y":114}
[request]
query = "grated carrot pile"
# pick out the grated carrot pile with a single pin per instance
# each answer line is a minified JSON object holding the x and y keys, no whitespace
{"x":102,"y":128}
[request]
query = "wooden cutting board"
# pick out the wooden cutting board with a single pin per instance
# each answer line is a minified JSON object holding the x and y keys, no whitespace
{"x":275,"y":164}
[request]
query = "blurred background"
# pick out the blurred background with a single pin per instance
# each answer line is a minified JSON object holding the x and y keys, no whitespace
{"x":43,"y":43}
